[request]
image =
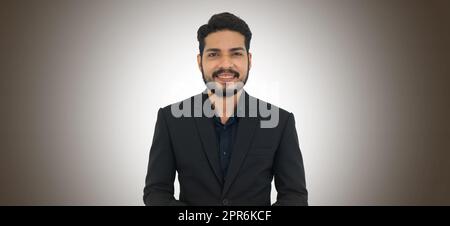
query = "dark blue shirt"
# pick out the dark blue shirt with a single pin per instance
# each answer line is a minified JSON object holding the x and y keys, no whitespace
{"x":226,"y":136}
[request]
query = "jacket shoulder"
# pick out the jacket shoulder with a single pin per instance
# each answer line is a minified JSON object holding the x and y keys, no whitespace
{"x":274,"y":116}
{"x":177,"y":109}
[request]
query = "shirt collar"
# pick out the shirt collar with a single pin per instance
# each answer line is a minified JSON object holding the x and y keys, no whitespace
{"x":230,"y":121}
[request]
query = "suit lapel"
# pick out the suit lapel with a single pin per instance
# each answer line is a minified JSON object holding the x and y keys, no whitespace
{"x":244,"y":136}
{"x":245,"y":131}
{"x":208,"y":137}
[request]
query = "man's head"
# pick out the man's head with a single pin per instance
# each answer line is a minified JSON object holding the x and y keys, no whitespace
{"x":224,"y":57}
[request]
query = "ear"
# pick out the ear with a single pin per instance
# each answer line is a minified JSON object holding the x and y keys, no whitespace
{"x":249,"y":60}
{"x":199,"y":61}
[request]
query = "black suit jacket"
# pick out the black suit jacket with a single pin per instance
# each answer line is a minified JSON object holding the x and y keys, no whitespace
{"x":188,"y":145}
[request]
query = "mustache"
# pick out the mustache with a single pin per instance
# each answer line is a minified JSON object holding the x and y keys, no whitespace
{"x":222,"y":70}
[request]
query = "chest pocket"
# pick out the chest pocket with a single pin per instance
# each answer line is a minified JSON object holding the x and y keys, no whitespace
{"x":262,"y":152}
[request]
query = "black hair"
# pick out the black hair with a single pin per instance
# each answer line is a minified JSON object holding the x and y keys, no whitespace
{"x":223,"y":21}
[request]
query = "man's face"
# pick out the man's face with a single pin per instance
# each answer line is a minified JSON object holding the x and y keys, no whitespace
{"x":225,"y":61}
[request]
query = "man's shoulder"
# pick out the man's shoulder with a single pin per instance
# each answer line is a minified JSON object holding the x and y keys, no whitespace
{"x":186,"y":104}
{"x":262,"y":103}
{"x":271,"y":115}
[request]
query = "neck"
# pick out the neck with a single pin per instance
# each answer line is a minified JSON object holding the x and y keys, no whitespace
{"x":224,"y":106}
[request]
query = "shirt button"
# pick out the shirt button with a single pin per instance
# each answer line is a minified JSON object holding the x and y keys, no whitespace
{"x":225,"y":153}
{"x":225,"y":202}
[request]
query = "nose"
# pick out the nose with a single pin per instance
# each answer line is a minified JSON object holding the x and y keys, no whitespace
{"x":226,"y":62}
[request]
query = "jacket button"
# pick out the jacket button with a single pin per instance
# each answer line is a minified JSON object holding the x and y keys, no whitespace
{"x":225,"y":202}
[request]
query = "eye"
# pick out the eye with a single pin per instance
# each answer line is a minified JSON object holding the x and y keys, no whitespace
{"x":213,"y":54}
{"x":237,"y":54}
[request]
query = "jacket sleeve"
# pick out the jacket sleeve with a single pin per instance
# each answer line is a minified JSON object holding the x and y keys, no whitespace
{"x":159,"y":189}
{"x":289,"y":172}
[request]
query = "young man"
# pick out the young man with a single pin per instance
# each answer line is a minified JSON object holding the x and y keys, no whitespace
{"x":226,"y":145}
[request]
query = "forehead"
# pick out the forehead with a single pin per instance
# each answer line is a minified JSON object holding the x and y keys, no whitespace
{"x":225,"y":40}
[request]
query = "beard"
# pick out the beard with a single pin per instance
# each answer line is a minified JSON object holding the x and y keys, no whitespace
{"x":228,"y":89}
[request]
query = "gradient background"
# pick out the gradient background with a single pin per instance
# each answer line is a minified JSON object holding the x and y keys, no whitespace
{"x":81,"y":83}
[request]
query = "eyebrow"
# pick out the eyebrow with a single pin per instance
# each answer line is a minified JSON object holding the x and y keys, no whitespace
{"x":236,"y":49}
{"x":230,"y":50}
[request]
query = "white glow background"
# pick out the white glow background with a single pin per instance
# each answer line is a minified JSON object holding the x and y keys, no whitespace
{"x":82,"y":81}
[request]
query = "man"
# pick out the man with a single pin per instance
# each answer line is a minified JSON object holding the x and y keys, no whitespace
{"x":226,"y":145}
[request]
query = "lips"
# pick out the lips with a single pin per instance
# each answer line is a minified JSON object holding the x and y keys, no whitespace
{"x":226,"y":77}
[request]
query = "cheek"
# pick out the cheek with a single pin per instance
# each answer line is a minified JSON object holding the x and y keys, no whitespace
{"x":242,"y":67}
{"x":208,"y":70}
{"x":205,"y":67}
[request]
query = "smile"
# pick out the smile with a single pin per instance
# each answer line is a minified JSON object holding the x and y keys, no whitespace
{"x":226,"y":75}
